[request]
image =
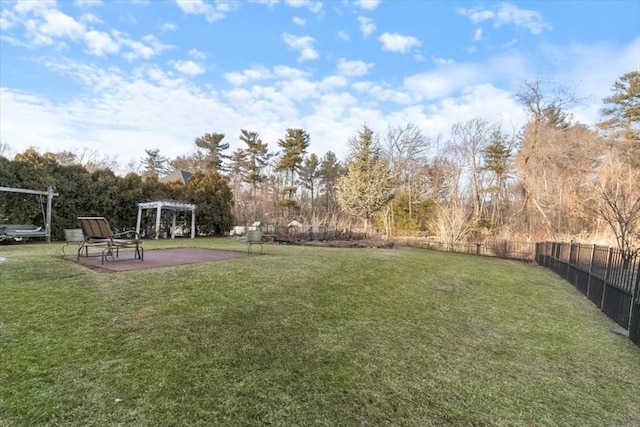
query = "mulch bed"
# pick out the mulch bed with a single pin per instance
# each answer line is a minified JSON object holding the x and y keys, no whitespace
{"x":156,"y":258}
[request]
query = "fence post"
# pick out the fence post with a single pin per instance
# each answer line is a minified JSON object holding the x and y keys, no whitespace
{"x":577,"y":266}
{"x":566,"y":272}
{"x":606,"y":277}
{"x":593,"y":254}
{"x":634,"y":318}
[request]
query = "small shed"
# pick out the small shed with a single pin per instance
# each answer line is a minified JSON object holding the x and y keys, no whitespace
{"x":174,"y":207}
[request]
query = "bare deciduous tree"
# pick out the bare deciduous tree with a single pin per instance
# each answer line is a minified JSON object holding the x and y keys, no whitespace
{"x":406,"y":148}
{"x":547,"y":114}
{"x":469,"y":140}
{"x":618,"y":201}
{"x":5,"y":149}
{"x":452,"y":222}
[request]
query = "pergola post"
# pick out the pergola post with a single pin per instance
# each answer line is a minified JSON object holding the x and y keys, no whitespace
{"x":193,"y":223}
{"x":139,"y":220}
{"x":173,"y":226}
{"x":158,"y":214}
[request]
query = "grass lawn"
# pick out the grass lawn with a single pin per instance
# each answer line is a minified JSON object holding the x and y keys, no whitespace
{"x":306,"y":336}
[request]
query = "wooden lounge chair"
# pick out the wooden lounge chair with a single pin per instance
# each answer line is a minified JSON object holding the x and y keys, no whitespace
{"x":97,"y":233}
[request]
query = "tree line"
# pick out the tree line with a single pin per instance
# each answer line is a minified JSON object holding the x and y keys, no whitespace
{"x":554,"y":178}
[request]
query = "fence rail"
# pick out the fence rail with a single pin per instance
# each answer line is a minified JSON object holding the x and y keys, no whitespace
{"x":609,"y":277}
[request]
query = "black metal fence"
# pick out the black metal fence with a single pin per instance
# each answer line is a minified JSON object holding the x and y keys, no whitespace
{"x":609,"y":277}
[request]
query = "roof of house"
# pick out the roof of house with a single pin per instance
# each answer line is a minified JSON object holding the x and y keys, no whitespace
{"x":177,"y":175}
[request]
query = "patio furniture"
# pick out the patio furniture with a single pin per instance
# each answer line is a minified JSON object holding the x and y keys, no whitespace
{"x":97,"y":233}
{"x":19,"y":232}
{"x":254,"y":237}
{"x":73,"y":235}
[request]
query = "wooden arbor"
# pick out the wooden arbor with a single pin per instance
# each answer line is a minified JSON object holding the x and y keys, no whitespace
{"x":174,"y":207}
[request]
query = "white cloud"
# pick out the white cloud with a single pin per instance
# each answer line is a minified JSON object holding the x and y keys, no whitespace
{"x":58,"y":24}
{"x":190,"y":68}
{"x":21,"y":110}
{"x":313,"y":6}
{"x":138,"y":50}
{"x":299,"y":21}
{"x":367,"y":4}
{"x":477,"y":16}
{"x":169,"y":26}
{"x":441,"y":61}
{"x":100,"y":43}
{"x":367,"y":26}
{"x":343,"y":35}
{"x":442,"y":82}
{"x":34,"y":35}
{"x":90,"y":18}
{"x":196,"y":54}
{"x":353,"y":68}
{"x":508,"y":14}
{"x":268,"y":3}
{"x":299,"y":89}
{"x":331,"y":83}
{"x":477,"y":35}
{"x":591,"y":70}
{"x":156,"y":44}
{"x":394,"y":42}
{"x":249,"y":75}
{"x":289,"y":73}
{"x":87,"y":2}
{"x":382,"y":93}
{"x":35,"y":7}
{"x":159,"y":76}
{"x":199,"y":7}
{"x":46,"y":26}
{"x":303,"y":45}
{"x":8,"y":19}
{"x":362,"y":86}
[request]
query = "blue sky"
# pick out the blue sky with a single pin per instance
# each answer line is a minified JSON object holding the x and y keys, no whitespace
{"x":119,"y":77}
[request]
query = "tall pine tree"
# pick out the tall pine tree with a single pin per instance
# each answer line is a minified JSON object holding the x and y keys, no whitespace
{"x":368,"y":185}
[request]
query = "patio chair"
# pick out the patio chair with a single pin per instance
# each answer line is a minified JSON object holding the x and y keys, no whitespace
{"x":97,"y":233}
{"x":72,"y":235}
{"x":254,"y":237}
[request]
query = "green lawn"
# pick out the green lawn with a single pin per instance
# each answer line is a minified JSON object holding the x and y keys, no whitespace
{"x":306,"y":336}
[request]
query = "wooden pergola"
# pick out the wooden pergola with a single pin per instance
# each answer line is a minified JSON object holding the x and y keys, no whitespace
{"x":175,"y":207}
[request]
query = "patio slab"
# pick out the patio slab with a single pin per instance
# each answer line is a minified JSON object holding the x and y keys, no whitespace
{"x":156,"y":258}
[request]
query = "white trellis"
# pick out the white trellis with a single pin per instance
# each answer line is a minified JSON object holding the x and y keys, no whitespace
{"x":175,"y":207}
